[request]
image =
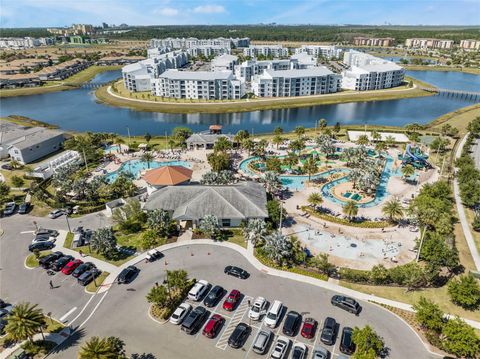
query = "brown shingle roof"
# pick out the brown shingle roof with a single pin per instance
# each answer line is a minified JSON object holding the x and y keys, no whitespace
{"x":168,"y":175}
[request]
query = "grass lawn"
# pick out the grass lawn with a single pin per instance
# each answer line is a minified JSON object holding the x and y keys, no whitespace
{"x":438,"y":295}
{"x":94,"y":285}
{"x":53,"y":326}
{"x":235,"y":236}
{"x":458,"y":119}
{"x":68,"y":240}
{"x":116,"y":261}
{"x":32,"y":261}
{"x":469,"y":70}
{"x":132,"y":240}
{"x":89,"y":73}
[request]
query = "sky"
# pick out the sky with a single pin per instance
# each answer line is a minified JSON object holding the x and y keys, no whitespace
{"x":45,"y":13}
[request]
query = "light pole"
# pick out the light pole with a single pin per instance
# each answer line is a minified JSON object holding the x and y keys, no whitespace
{"x":421,"y":244}
{"x":68,"y":223}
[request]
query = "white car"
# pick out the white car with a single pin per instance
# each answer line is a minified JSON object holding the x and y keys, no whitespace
{"x":273,"y":315}
{"x":55,"y":213}
{"x":180,"y":313}
{"x":258,"y":308}
{"x":281,"y":347}
{"x":198,"y":290}
{"x":44,"y":239}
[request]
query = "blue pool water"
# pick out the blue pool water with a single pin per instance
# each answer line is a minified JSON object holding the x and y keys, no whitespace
{"x":134,"y":167}
{"x":112,"y":149}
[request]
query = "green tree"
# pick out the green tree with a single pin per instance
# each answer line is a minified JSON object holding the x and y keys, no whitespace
{"x":4,"y":192}
{"x":159,"y":295}
{"x":274,"y":209}
{"x":209,"y":225}
{"x":350,"y":209}
{"x":147,"y":157}
{"x":103,"y":241}
{"x":407,"y":171}
{"x":273,"y":164}
{"x":278,"y":131}
{"x":362,"y":140}
{"x":147,"y":137}
{"x":460,"y":339}
{"x":368,"y":344}
{"x":222,"y":144}
{"x":150,"y":239}
{"x":322,"y":123}
{"x":24,"y":322}
{"x":315,"y":199}
{"x":102,"y":348}
{"x":465,"y":291}
{"x":389,"y":141}
{"x":379,"y":274}
{"x":310,"y":167}
{"x":254,"y":230}
{"x":180,"y":134}
{"x":17,"y":181}
{"x":337,"y":128}
{"x":376,"y":136}
{"x":277,"y":140}
{"x":429,"y":314}
{"x":299,"y":131}
{"x":393,"y":209}
{"x":322,"y":263}
{"x":160,"y":221}
{"x":129,"y":216}
{"x":219,"y":161}
{"x":241,"y":136}
{"x":122,"y":186}
{"x":278,"y":248}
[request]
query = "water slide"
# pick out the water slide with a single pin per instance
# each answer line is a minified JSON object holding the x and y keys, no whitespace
{"x":416,"y":157}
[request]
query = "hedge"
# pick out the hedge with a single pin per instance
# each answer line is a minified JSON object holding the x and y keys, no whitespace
{"x":333,"y":219}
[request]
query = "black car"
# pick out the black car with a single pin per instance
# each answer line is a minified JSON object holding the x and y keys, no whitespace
{"x":236,"y":272}
{"x":61,"y":262}
{"x":214,"y":296}
{"x":46,"y":262}
{"x":88,"y":276}
{"x":127,"y":275}
{"x":329,"y":331}
{"x":40,"y":246}
{"x":347,"y":346}
{"x":346,"y":303}
{"x":82,"y":268}
{"x":292,"y":323}
{"x":194,"y":320}
{"x":9,"y":208}
{"x":24,"y":208}
{"x":7,"y":166}
{"x":239,"y":335}
{"x":45,"y":231}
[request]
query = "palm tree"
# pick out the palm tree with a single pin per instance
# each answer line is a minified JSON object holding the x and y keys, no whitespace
{"x":209,"y":225}
{"x":277,"y":140}
{"x":299,"y":131}
{"x":393,"y":209}
{"x":380,"y":147}
{"x":271,"y":181}
{"x":350,"y":209}
{"x":376,"y":136}
{"x":278,"y":248}
{"x":310,"y":167}
{"x":278,"y":131}
{"x":322,"y":123}
{"x":249,"y":145}
{"x":147,"y":157}
{"x":362,"y":140}
{"x":24,"y":322}
{"x":315,"y":199}
{"x":408,"y":171}
{"x":99,"y":348}
{"x":254,"y":230}
{"x":223,"y":144}
{"x":389,"y":141}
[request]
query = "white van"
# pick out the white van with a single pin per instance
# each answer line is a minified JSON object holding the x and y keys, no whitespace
{"x":273,"y":314}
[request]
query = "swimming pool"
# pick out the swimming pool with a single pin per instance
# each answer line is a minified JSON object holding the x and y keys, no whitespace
{"x":112,"y":149}
{"x":134,"y":167}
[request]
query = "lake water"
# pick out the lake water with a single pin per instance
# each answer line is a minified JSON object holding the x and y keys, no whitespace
{"x":78,"y":110}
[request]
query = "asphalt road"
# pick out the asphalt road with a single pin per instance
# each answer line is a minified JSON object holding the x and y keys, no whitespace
{"x":123,"y":312}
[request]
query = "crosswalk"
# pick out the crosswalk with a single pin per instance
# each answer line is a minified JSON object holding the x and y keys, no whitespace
{"x":236,"y":318}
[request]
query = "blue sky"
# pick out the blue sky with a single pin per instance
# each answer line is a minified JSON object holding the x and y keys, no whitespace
{"x":38,"y":13}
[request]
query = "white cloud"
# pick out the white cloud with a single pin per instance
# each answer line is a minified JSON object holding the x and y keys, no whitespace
{"x":167,"y":11}
{"x":209,"y":9}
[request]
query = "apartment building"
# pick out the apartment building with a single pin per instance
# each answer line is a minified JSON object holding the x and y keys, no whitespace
{"x":118,"y":60}
{"x":155,"y":52}
{"x":327,"y":51}
{"x":266,"y":50}
{"x":137,"y":77}
{"x":429,"y":43}
{"x":373,"y":41}
{"x":296,"y":82}
{"x":207,"y":50}
{"x":187,"y":43}
{"x":303,"y":60}
{"x":205,"y":85}
{"x":367,"y":72}
{"x":224,"y":62}
{"x":247,"y":69}
{"x":63,"y":70}
{"x":470,"y":44}
{"x":19,"y":80}
{"x":24,"y":42}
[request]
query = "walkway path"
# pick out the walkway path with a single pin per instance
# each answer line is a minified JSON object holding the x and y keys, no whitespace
{"x":461,"y":213}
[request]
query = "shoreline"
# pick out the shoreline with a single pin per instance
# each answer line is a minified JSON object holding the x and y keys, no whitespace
{"x":106,"y":96}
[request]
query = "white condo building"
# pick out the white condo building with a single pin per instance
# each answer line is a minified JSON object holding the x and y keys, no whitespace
{"x":266,"y":50}
{"x":247,"y":69}
{"x":297,"y":82}
{"x":24,"y":42}
{"x":304,"y":60}
{"x":224,"y":62}
{"x":206,"y":85}
{"x":367,"y":72}
{"x":187,"y":43}
{"x":208,"y":50}
{"x":327,"y":51}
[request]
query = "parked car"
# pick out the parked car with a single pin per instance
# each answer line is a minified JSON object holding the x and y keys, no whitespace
{"x":273,"y":314}
{"x":82,"y":268}
{"x":299,"y":351}
{"x":71,"y":266}
{"x":86,"y":277}
{"x":239,"y":335}
{"x":45,"y":231}
{"x":281,"y":347}
{"x":24,"y":208}
{"x":198,"y":290}
{"x":153,"y":255}
{"x":309,"y":327}
{"x":10,"y":208}
{"x":213,"y":296}
{"x":180,"y":313}
{"x":127,"y":275}
{"x":232,"y":300}
{"x":320,"y":353}
{"x":55,"y":213}
{"x":3,"y":304}
{"x":46,"y":262}
{"x":61,"y":262}
{"x":236,"y":272}
{"x":347,"y":346}
{"x":346,"y":303}
{"x":258,"y":308}
{"x":213,"y":326}
{"x":40,"y":246}
{"x":329,"y":331}
{"x":292,"y":323}
{"x":43,"y":238}
{"x":261,"y":341}
{"x":194,"y":320}
{"x":7,"y":166}
{"x":4,"y":312}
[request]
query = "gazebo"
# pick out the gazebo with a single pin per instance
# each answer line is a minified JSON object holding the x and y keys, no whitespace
{"x":166,"y":176}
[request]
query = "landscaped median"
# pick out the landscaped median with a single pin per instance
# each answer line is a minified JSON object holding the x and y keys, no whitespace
{"x":93,"y":286}
{"x":146,"y":102}
{"x":31,"y":261}
{"x":346,"y":222}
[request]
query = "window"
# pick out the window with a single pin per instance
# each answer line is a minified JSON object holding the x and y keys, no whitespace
{"x":225,"y":222}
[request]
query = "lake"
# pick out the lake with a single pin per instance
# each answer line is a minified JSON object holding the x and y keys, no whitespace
{"x":78,"y":110}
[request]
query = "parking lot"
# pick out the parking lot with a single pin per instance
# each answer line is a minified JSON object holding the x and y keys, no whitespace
{"x":124,"y":311}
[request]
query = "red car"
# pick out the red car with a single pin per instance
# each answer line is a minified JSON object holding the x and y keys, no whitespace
{"x":213,"y":326}
{"x":71,"y":266}
{"x":230,"y":303}
{"x":309,"y":328}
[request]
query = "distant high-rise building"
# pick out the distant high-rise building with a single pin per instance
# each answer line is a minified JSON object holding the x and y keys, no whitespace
{"x":373,"y":41}
{"x":470,"y":44}
{"x":104,"y":25}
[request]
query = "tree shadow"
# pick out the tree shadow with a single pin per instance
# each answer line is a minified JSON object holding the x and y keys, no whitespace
{"x":73,"y":340}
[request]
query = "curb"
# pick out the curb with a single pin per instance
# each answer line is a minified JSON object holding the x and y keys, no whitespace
{"x":149,"y":312}
{"x":25,"y":264}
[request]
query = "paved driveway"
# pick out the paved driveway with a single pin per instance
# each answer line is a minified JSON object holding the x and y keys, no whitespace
{"x":123,"y":312}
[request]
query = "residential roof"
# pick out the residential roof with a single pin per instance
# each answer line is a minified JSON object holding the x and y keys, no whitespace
{"x":197,"y":75}
{"x":36,"y":137}
{"x":223,"y":60}
{"x":206,"y":137}
{"x":168,"y":175}
{"x":193,"y":202}
{"x":311,"y":72}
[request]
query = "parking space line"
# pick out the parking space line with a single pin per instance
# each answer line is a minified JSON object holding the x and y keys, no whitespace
{"x":27,"y":232}
{"x":67,"y":314}
{"x":236,"y":318}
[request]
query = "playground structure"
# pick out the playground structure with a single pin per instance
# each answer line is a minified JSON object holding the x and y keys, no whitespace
{"x":415,"y":157}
